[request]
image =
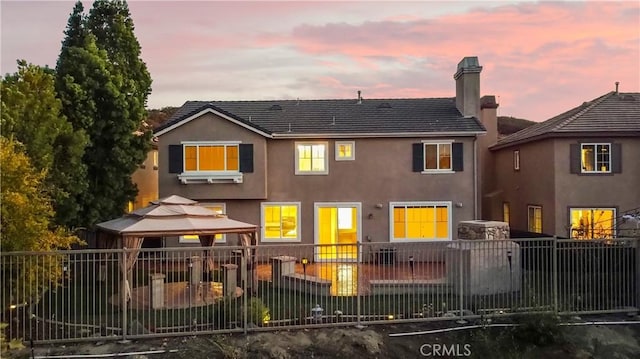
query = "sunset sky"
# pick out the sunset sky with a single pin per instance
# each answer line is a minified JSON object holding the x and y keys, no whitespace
{"x":539,"y":58}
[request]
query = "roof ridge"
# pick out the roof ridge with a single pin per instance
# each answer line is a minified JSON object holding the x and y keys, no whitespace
{"x":593,"y":103}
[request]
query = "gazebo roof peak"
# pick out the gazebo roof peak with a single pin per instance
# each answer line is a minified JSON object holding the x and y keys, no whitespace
{"x":174,"y":199}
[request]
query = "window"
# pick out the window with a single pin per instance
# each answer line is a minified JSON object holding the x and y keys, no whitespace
{"x":219,"y":208}
{"x":155,"y":159}
{"x":437,"y":157}
{"x":592,"y":223}
{"x":535,"y":219}
{"x":506,"y":212}
{"x":210,"y":157}
{"x":420,"y":221}
{"x":210,"y":162}
{"x":311,"y":158}
{"x":596,"y":157}
{"x":281,"y":222}
{"x":345,"y":151}
{"x":516,"y":160}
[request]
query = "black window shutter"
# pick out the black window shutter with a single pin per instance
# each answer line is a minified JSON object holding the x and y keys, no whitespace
{"x":418,"y":157}
{"x":175,"y":158}
{"x":246,"y":157}
{"x":616,"y":158}
{"x":457,"y":155}
{"x":575,"y":163}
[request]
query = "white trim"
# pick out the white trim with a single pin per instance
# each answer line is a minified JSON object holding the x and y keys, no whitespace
{"x":297,"y":158}
{"x":516,"y":160}
{"x":206,"y":143}
{"x":208,"y":204}
{"x":316,"y":227}
{"x":433,"y":204}
{"x":377,"y":135}
{"x":205,"y":111}
{"x":263,"y":237}
{"x":337,"y":150}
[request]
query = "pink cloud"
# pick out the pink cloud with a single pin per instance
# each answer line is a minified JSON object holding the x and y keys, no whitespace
{"x":526,"y":48}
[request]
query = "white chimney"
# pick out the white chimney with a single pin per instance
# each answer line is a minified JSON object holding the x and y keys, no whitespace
{"x":468,"y":86}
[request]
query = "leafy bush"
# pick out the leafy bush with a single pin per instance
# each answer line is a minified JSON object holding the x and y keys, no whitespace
{"x":540,"y":329}
{"x":257,"y":312}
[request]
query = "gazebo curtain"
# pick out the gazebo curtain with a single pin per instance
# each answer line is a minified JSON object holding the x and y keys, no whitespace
{"x":249,"y":241}
{"x":130,"y":261}
{"x":208,"y":241}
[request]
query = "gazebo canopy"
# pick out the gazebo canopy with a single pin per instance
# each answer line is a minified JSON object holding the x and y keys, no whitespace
{"x":174,"y":215}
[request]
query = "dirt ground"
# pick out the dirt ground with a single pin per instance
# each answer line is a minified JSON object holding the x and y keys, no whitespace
{"x":592,"y":341}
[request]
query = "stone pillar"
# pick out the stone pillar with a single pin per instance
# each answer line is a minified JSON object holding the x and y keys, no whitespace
{"x":482,"y":230}
{"x":156,"y":286}
{"x":489,"y":265}
{"x":281,"y":266}
{"x":229,"y":280}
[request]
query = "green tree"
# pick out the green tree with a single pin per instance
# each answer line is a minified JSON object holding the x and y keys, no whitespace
{"x":104,"y":85}
{"x":26,"y":226}
{"x":31,"y":114}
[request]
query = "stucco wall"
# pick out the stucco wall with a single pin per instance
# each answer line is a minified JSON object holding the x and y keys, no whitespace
{"x":146,"y":178}
{"x":619,"y":190}
{"x":212,"y":128}
{"x":381,"y":173}
{"x":533,"y":184}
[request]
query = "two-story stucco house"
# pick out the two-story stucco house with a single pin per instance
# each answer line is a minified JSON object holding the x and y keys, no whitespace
{"x":332,"y":171}
{"x":574,"y":175}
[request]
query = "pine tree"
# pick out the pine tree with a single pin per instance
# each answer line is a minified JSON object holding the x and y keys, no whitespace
{"x":104,"y":86}
{"x":31,"y":115}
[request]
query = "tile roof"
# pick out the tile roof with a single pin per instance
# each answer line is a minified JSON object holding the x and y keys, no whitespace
{"x":336,"y":117}
{"x":610,"y":113}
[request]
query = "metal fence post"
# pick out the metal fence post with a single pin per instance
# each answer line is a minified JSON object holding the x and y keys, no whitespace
{"x":554,"y":273}
{"x":123,"y":291}
{"x":244,"y":283}
{"x":359,"y":250}
{"x":637,"y":260}
{"x":461,"y":287}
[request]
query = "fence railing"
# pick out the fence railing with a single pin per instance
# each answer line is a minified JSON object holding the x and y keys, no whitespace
{"x":90,"y":294}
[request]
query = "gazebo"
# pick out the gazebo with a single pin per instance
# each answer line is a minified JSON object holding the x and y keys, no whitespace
{"x":174,"y":216}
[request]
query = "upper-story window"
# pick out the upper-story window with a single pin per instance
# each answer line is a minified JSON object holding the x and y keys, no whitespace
{"x":593,"y":157}
{"x":211,"y":157}
{"x":312,"y":158}
{"x":516,"y":160}
{"x":596,"y":157}
{"x":210,"y":161}
{"x":345,"y":150}
{"x":437,"y":157}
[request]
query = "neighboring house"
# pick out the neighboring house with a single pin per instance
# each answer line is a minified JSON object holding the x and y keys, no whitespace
{"x":332,"y":171}
{"x":575,"y":175}
{"x":146,"y":179}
